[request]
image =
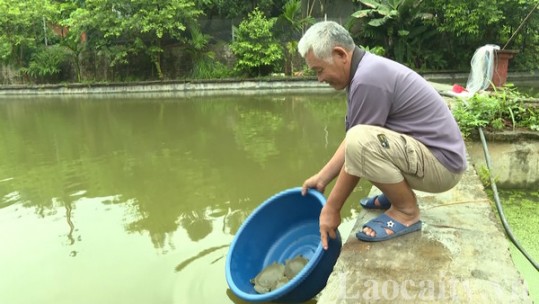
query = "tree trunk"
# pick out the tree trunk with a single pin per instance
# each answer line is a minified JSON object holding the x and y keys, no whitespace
{"x":157,"y":63}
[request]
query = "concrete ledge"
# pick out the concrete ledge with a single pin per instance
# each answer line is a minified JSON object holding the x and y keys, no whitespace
{"x":201,"y":87}
{"x":173,"y":88}
{"x":460,"y":256}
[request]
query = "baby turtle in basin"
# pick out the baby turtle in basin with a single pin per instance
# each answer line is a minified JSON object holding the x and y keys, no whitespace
{"x":294,"y":266}
{"x":270,"y":278}
{"x":277,"y":274}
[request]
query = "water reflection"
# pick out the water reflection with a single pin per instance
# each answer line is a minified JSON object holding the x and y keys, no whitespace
{"x":178,"y":174}
{"x":201,"y":254}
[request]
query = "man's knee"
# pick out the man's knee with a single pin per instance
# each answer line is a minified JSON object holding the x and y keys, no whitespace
{"x":361,"y":136}
{"x":368,"y":157}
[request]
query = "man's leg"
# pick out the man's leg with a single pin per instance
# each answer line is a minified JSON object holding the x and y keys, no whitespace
{"x":395,"y":163}
{"x":404,"y":207}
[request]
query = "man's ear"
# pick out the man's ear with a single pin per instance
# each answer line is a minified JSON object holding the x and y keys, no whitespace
{"x":340,"y":53}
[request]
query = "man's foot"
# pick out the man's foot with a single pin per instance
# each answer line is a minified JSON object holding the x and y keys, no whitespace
{"x":375,"y":202}
{"x":384,"y":228}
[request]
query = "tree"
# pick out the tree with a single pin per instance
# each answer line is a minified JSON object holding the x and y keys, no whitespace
{"x":254,"y":45}
{"x":233,"y":9}
{"x":466,"y":25}
{"x":10,"y":20}
{"x":156,"y":19}
{"x":60,"y":13}
{"x":126,"y":27}
{"x":19,"y":22}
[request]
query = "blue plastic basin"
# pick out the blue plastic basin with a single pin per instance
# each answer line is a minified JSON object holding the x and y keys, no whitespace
{"x":282,"y":227}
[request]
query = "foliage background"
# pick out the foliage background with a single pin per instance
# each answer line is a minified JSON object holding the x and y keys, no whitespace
{"x":51,"y":41}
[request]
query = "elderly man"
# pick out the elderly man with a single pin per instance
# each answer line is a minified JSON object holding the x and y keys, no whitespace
{"x":400,"y":135}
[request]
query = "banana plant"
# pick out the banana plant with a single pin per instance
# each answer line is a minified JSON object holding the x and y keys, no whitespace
{"x":384,"y":10}
{"x":396,"y":21}
{"x":289,"y":26}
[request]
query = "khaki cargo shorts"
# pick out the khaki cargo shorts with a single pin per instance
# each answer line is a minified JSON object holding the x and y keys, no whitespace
{"x":387,"y":157}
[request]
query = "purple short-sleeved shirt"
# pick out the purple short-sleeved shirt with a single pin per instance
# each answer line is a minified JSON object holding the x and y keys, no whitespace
{"x":388,"y":94}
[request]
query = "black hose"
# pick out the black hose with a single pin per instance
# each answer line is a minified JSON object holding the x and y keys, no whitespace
{"x":499,"y":205}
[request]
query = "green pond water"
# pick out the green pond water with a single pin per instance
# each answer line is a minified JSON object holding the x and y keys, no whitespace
{"x":520,"y":208}
{"x":136,"y":199}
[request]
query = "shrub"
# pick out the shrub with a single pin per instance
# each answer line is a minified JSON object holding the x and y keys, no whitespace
{"x":46,"y":63}
{"x":209,"y":68}
{"x":256,"y":49}
{"x":504,"y":108}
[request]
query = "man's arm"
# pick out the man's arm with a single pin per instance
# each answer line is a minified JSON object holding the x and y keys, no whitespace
{"x":330,"y":216}
{"x":328,"y":173}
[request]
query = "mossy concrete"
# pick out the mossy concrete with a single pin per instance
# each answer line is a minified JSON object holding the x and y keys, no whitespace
{"x":460,"y":256}
{"x":514,"y":165}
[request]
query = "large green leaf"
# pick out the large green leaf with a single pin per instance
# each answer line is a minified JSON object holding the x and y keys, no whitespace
{"x":403,"y":33}
{"x":384,"y":10}
{"x":362,"y":13}
{"x":370,"y":3}
{"x":378,"y":22}
{"x":396,"y":3}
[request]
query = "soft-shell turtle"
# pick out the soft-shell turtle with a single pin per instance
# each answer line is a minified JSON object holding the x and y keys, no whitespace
{"x":270,"y":278}
{"x":294,"y":266}
{"x":277,"y":275}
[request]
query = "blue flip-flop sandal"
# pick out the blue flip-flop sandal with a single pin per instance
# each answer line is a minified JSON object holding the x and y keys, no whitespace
{"x":378,"y":224}
{"x":368,"y":203}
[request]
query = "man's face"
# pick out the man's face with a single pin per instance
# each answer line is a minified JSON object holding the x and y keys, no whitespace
{"x":335,"y":73}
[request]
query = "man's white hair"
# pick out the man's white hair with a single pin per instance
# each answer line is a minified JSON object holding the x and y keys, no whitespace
{"x":322,"y":37}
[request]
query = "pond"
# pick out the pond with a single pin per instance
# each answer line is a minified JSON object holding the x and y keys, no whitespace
{"x":136,"y":199}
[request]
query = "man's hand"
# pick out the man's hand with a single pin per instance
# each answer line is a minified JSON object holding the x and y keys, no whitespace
{"x":313,"y":182}
{"x":330,"y":219}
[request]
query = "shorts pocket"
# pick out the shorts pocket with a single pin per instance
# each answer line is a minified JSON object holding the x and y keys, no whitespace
{"x":413,"y":157}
